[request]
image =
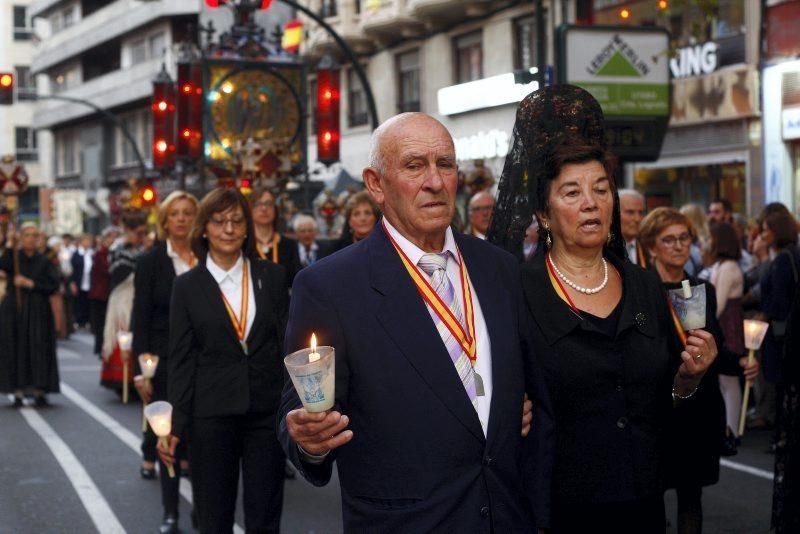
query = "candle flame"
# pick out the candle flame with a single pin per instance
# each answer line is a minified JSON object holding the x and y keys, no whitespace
{"x":313,"y":343}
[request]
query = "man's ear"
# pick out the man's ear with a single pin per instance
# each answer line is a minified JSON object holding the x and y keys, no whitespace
{"x":372,"y":181}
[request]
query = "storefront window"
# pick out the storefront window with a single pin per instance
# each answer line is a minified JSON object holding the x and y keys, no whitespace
{"x":677,"y":186}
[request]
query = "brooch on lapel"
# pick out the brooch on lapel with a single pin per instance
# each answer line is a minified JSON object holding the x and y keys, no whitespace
{"x":640,"y":319}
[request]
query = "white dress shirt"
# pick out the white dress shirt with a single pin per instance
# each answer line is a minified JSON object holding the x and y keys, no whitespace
{"x":632,"y":252}
{"x":88,"y":260}
{"x":307,"y":257}
{"x":230,"y":283}
{"x":180,"y":265}
{"x":483,"y":365}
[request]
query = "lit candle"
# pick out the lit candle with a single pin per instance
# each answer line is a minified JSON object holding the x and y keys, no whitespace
{"x":754,"y":332}
{"x":314,"y":355}
{"x":159,"y":415}
{"x":149,"y":363}
{"x":687,"y":289}
{"x":125,"y":341}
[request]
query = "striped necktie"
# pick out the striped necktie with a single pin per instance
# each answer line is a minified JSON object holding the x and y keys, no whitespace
{"x":435,"y":265}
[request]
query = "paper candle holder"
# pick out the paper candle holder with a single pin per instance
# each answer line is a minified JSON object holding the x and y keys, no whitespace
{"x":754,"y":333}
{"x":148,"y":363}
{"x":125,"y":340}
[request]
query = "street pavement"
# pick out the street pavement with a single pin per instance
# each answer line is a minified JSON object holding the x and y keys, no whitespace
{"x":73,"y":468}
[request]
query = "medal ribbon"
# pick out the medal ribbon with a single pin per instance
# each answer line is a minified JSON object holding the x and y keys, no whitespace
{"x":276,"y":238}
{"x":465,"y":338}
{"x":240,"y":324}
{"x":640,"y":253}
{"x":677,"y":322}
{"x":558,"y":287}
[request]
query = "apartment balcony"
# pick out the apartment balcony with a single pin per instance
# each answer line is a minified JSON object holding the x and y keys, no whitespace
{"x":344,"y":18}
{"x":107,"y":23}
{"x":108,"y":91}
{"x":443,"y":13}
{"x":38,"y":8}
{"x":389,"y":21}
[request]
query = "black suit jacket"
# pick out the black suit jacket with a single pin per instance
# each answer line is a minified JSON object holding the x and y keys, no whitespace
{"x":155,"y":275}
{"x":209,"y":373}
{"x":288,"y":256}
{"x":76,"y":260}
{"x":419,"y":460}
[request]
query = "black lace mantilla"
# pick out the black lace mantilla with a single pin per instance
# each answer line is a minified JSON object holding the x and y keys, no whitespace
{"x":545,"y":119}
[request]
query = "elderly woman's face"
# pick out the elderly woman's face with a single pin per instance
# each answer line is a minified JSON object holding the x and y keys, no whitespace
{"x":672,"y":245}
{"x":581,"y":205}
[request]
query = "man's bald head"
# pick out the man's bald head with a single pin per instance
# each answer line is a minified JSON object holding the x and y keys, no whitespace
{"x":381,"y":147}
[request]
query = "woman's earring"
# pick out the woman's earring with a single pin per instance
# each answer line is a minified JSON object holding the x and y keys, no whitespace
{"x":610,"y":238}
{"x":547,"y":240}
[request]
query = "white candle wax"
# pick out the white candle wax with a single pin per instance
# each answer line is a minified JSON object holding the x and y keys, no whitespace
{"x":687,"y":289}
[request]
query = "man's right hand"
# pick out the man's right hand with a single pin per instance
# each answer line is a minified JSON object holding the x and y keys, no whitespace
{"x":318,"y":433}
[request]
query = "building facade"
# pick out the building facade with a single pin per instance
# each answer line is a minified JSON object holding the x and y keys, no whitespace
{"x":455,"y":60}
{"x":712,"y":147}
{"x":17,"y":134}
{"x":107,"y":53}
{"x":781,"y":97}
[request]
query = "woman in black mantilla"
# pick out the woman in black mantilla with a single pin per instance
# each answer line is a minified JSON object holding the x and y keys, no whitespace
{"x":27,"y":332}
{"x":600,"y":324}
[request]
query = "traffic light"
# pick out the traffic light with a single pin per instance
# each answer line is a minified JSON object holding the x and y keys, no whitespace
{"x":328,"y":133}
{"x":163,"y":121}
{"x":190,"y":110}
{"x":6,"y":88}
{"x":148,"y":196}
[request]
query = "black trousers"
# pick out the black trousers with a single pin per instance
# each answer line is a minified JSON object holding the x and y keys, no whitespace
{"x":97,"y":319}
{"x":82,"y":308}
{"x":220,"y":447}
{"x":643,"y":516}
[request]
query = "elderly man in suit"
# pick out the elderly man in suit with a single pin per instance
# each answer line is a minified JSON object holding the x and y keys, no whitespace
{"x":432,"y":361}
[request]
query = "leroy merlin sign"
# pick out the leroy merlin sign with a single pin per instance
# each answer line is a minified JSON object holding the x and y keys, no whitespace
{"x":626,"y":69}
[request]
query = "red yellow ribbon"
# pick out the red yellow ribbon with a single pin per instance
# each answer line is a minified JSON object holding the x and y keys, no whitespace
{"x":558,"y":287}
{"x":240,"y":324}
{"x":465,"y":338}
{"x":276,"y":238}
{"x":677,"y":322}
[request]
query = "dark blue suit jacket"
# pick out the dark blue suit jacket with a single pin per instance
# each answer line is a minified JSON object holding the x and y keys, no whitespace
{"x":418,"y":460}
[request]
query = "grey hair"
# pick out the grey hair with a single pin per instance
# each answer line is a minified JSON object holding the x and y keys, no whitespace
{"x":478,"y":196}
{"x":304,"y":219}
{"x":630,"y":193}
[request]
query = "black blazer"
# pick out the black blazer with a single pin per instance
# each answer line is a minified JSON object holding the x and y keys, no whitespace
{"x":288,"y":256}
{"x":209,"y":373}
{"x":155,"y":275}
{"x":419,"y":460}
{"x":611,"y":397}
{"x":76,"y":260}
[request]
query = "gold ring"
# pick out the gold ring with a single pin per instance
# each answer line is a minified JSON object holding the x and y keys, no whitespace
{"x":698,"y":357}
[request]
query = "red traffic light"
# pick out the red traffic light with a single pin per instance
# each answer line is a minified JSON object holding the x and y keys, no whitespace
{"x":190,"y":103}
{"x":148,"y":195}
{"x":328,"y":134}
{"x":6,"y":88}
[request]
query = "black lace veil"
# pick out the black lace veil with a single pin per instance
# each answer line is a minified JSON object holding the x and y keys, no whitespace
{"x":545,"y":119}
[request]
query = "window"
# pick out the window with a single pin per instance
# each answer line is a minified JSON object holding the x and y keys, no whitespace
{"x":26,"y":84}
{"x":328,"y":8}
{"x":356,"y":101}
{"x":525,"y":42}
{"x":408,"y":81}
{"x":26,"y":144}
{"x":66,"y":153}
{"x":140,"y":125}
{"x":139,"y":52}
{"x":22,"y":30}
{"x":469,"y":57}
{"x":157,"y":44}
{"x":65,"y":79}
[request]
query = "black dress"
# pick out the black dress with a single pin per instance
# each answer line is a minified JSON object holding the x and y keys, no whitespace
{"x":610,"y":387}
{"x":288,"y":256}
{"x":27,"y":334}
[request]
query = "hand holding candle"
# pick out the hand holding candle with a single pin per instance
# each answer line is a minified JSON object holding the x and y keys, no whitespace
{"x":125,"y":342}
{"x":148,"y":363}
{"x":313,"y":374}
{"x":159,"y":415}
{"x":754,"y":333}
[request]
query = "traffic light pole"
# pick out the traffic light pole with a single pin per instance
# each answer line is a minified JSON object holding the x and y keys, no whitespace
{"x":362,"y":76}
{"x":110,"y":116}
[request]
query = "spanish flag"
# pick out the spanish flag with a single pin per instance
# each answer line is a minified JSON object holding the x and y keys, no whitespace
{"x":292,"y":36}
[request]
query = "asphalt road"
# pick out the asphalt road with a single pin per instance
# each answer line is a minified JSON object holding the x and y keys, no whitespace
{"x":73,"y":468}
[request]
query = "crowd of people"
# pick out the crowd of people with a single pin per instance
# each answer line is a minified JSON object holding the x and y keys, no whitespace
{"x":575,"y":385}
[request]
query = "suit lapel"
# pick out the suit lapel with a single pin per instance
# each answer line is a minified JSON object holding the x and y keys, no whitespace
{"x":408,"y":324}
{"x":494,"y":301}
{"x":262,"y":302}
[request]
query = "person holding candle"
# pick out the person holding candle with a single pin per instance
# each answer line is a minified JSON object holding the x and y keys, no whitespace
{"x":601,"y":324}
{"x":431,"y":360}
{"x":270,"y":243}
{"x":28,"y":363}
{"x":226,"y":327}
{"x":692,"y":463}
{"x":156,"y":271}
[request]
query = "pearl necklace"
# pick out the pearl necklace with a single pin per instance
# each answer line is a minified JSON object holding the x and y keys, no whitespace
{"x":576,"y":287}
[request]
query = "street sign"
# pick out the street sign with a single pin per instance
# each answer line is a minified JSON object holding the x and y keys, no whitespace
{"x":627,"y":70}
